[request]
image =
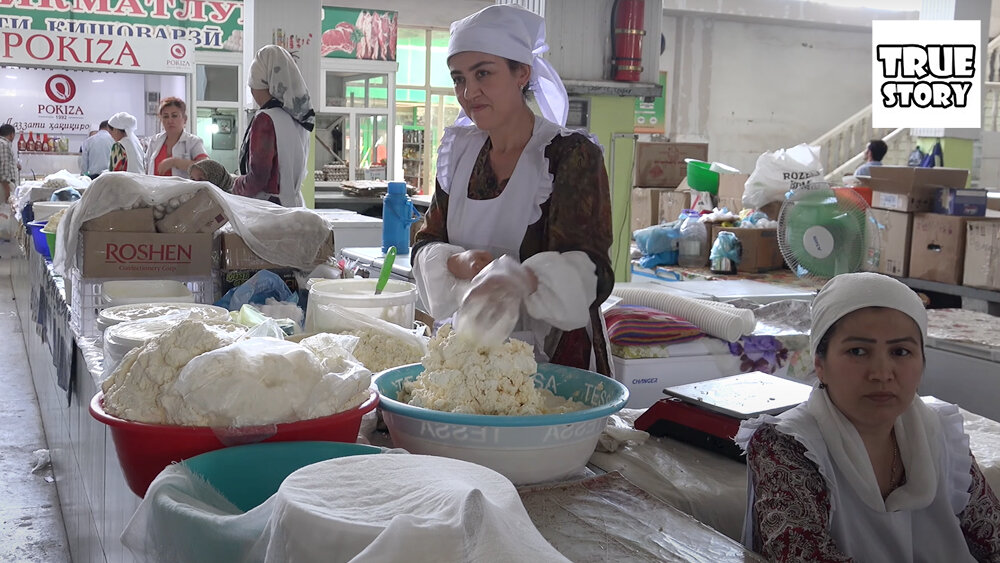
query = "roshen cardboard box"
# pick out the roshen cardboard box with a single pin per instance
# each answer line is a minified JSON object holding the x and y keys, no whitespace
{"x":896,"y":229}
{"x":982,"y":255}
{"x":937,"y":251}
{"x":236,"y":255}
{"x":662,"y":165}
{"x":138,"y":220}
{"x":146,"y":255}
{"x":912,"y":189}
{"x":760,"y":248}
{"x":731,"y":191}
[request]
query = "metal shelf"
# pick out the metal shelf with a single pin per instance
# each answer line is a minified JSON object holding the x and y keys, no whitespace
{"x":949,"y":289}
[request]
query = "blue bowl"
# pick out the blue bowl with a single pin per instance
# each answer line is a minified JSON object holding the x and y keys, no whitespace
{"x":38,"y":238}
{"x":248,"y":475}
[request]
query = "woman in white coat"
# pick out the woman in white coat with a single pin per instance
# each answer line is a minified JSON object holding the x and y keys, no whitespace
{"x":520,"y":222}
{"x":126,"y":154}
{"x":172,"y":151}
{"x":276,"y":144}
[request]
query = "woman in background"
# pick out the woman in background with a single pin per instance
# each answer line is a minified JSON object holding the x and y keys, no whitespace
{"x":276,"y":144}
{"x":865,"y":470}
{"x":172,"y":151}
{"x":126,"y":154}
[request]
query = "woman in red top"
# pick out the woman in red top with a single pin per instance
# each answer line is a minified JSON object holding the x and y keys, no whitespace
{"x":172,"y":151}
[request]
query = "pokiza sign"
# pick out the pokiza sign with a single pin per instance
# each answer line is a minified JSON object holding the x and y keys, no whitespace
{"x":71,"y":50}
{"x":210,"y":25}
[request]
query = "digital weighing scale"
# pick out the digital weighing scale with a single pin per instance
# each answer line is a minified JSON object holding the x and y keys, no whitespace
{"x":708,"y":414}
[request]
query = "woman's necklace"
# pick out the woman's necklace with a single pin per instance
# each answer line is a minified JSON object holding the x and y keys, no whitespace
{"x":894,"y":476}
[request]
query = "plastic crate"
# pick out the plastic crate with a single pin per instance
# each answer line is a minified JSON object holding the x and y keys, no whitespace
{"x":87,"y":297}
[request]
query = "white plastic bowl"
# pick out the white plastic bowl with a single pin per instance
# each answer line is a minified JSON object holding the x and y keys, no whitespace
{"x":525,"y":449}
{"x":122,"y":292}
{"x":395,"y":304}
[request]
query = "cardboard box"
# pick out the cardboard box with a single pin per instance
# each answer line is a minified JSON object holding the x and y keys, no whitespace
{"x":146,"y":255}
{"x":731,"y":191}
{"x":760,"y":248}
{"x":897,"y":227}
{"x":982,"y":255}
{"x":937,"y":251}
{"x":673,"y":203}
{"x":138,"y":220}
{"x":236,"y":255}
{"x":953,"y":201}
{"x":912,"y":189}
{"x":646,"y":207}
{"x":200,"y":214}
{"x":661,"y":165}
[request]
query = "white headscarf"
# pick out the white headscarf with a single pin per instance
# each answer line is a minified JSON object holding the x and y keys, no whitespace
{"x":519,"y":35}
{"x":133,"y":149}
{"x":274,"y":69}
{"x":847,"y":293}
{"x":124,"y":121}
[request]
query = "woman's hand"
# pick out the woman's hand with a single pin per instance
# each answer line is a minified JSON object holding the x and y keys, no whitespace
{"x":465,"y":265}
{"x":166,"y":165}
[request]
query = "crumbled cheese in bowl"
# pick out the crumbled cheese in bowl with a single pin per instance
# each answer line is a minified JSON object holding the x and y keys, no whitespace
{"x":463,"y":377}
{"x":379,"y":351}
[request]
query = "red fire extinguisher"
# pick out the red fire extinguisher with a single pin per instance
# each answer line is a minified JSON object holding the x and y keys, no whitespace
{"x":626,"y":39}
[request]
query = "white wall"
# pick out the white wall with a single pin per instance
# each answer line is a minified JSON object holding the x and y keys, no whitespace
{"x":748,"y":86}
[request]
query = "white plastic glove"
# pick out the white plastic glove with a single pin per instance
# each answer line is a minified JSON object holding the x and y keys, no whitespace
{"x":491,"y":307}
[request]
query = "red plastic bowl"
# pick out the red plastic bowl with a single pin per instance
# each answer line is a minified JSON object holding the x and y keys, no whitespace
{"x":145,"y":449}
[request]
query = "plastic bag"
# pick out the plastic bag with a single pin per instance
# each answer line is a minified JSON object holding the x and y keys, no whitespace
{"x":491,"y":307}
{"x":257,"y":289}
{"x":657,"y":239}
{"x":780,"y":171}
{"x":916,"y":157}
{"x":341,"y":319}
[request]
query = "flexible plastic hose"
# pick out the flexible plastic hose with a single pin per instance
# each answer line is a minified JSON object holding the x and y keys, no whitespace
{"x":720,"y":320}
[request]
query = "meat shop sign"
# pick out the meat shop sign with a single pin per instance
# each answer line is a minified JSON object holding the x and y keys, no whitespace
{"x":71,"y":50}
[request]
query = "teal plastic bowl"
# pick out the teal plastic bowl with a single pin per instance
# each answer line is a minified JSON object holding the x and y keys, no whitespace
{"x":700,"y":176}
{"x":248,"y":475}
{"x":525,"y":449}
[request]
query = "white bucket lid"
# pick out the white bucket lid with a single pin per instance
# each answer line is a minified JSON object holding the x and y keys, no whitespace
{"x":360,"y":292}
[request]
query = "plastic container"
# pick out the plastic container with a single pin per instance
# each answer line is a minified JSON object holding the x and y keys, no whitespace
{"x":123,"y":292}
{"x":525,"y":449}
{"x":38,"y":239}
{"x":693,"y":241}
{"x":398,"y":214}
{"x":396,"y":303}
{"x":700,"y":176}
{"x":248,"y":475}
{"x":138,"y":311}
{"x":145,"y":449}
{"x":45,"y":209}
{"x":121,"y":338}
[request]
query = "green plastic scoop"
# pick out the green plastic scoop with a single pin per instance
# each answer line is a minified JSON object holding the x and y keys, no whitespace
{"x":383,"y":276}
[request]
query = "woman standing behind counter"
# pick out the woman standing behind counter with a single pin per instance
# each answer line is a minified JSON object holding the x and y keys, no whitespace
{"x":173,"y":150}
{"x":513,"y":183}
{"x":126,"y":153}
{"x":865,"y":470}
{"x":276,"y":144}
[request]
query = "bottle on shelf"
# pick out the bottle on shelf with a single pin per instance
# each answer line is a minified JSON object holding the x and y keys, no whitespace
{"x":30,"y":144}
{"x":46,"y":145}
{"x":20,"y":142}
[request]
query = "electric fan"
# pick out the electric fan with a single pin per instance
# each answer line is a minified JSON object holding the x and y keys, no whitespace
{"x":824,"y":231}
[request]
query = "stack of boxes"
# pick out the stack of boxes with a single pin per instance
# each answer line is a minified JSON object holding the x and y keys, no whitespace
{"x":659,"y":170}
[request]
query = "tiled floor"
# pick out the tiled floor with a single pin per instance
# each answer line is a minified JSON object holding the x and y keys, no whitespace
{"x":31,"y":526}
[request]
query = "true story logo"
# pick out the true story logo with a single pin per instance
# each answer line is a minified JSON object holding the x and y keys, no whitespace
{"x":926,"y":74}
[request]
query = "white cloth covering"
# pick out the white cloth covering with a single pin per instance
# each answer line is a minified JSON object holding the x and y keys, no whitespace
{"x":367,"y":508}
{"x":514,"y":33}
{"x":847,"y":293}
{"x":918,"y":521}
{"x":567,"y":281}
{"x":187,"y":146}
{"x":286,"y":236}
{"x":136,"y":156}
{"x":274,"y":69}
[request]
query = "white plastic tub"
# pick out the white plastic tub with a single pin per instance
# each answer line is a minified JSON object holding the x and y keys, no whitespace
{"x":395,"y":304}
{"x":136,"y":311}
{"x":123,"y":292}
{"x":123,"y":337}
{"x":45,"y":209}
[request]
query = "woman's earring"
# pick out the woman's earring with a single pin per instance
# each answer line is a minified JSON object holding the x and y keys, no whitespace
{"x":822,"y":385}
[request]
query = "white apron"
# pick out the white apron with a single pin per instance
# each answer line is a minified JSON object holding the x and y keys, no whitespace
{"x":292,"y":142}
{"x":929,"y":535}
{"x":499,"y":224}
{"x":133,"y":150}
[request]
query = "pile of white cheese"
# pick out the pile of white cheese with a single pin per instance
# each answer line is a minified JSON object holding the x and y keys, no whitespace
{"x":462,"y":376}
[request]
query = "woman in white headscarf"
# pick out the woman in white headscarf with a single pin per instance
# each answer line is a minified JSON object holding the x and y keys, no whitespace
{"x":865,"y":470}
{"x":126,"y":154}
{"x":520,"y":186}
{"x":276,"y":144}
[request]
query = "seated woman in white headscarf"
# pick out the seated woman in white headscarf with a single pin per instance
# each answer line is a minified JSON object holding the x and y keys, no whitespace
{"x":865,"y":470}
{"x":126,"y":154}
{"x":276,"y":144}
{"x":512,"y":183}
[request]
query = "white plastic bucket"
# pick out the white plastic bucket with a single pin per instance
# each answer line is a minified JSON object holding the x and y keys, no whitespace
{"x":121,"y":338}
{"x":123,"y":292}
{"x":395,"y":304}
{"x":136,"y":311}
{"x":45,"y":209}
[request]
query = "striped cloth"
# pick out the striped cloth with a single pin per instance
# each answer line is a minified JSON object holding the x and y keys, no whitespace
{"x":633,"y":325}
